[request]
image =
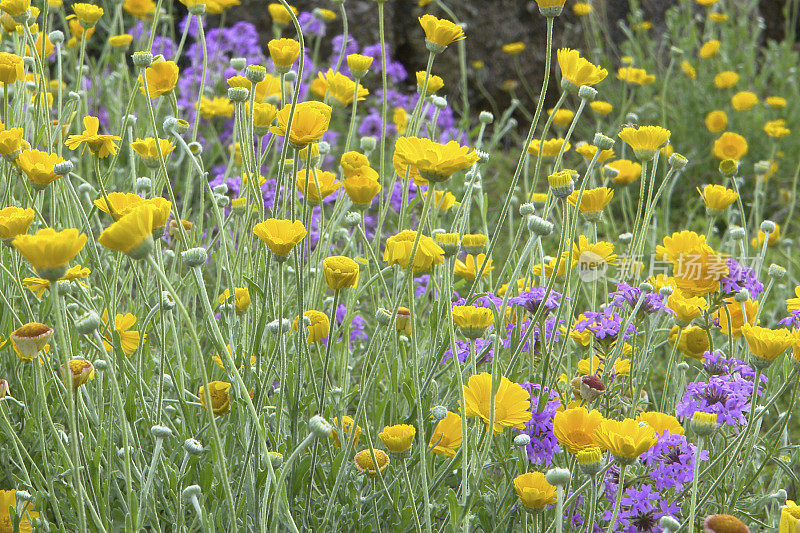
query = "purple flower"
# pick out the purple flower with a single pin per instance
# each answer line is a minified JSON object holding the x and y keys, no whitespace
{"x":358,"y":325}
{"x":671,"y":461}
{"x":604,"y":325}
{"x":793,"y":320}
{"x":539,"y":428}
{"x":641,"y":509}
{"x":726,"y":395}
{"x":515,"y":332}
{"x":483,"y":351}
{"x":628,"y":296}
{"x":741,"y":277}
{"x":533,"y":299}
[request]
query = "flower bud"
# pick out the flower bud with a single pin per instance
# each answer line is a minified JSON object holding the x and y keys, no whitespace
{"x":88,"y":323}
{"x":742,"y":296}
{"x":666,"y":292}
{"x":63,"y":168}
{"x":439,"y":412}
{"x":603,"y":142}
{"x":703,"y":424}
{"x":167,"y":303}
{"x":275,"y":458}
{"x":587,"y":93}
{"x":737,"y":233}
{"x":557,"y":476}
{"x":238,"y":94}
{"x":352,"y":219}
{"x":522,"y":440}
{"x":320,"y":427}
{"x":4,"y":389}
{"x":632,"y":118}
{"x":56,"y":37}
{"x":368,"y":144}
{"x":610,"y":172}
{"x":677,"y":161}
{"x":290,"y":76}
{"x":23,"y":496}
{"x":192,"y":491}
{"x":194,"y":257}
{"x":728,"y":167}
{"x":761,"y":168}
{"x":238,"y":63}
{"x":255,"y":73}
{"x":527,"y":209}
{"x":486,"y":117}
{"x":779,"y":496}
{"x":161,"y":432}
{"x":73,"y":96}
{"x":439,"y":102}
{"x":669,"y":524}
{"x":767,"y":226}
{"x":100,"y":364}
{"x":222,"y":201}
{"x":142,"y":59}
{"x":539,"y":226}
{"x":383,"y":316}
{"x":776,"y":271}
{"x":143,"y":185}
{"x":193,"y":447}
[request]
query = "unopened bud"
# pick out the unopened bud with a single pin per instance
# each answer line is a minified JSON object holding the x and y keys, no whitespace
{"x":439,"y":412}
{"x":557,"y":476}
{"x":194,"y":257}
{"x":320,"y":427}
{"x":142,"y":59}
{"x":587,"y":93}
{"x":603,"y":142}
{"x":486,"y":117}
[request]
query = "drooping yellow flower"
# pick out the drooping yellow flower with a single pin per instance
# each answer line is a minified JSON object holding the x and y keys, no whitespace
{"x":511,"y":402}
{"x":716,"y":121}
{"x":730,"y":146}
{"x":574,"y":428}
{"x":220,"y":397}
{"x":471,"y":265}
{"x":132,"y":234}
{"x":161,"y":78}
{"x":317,"y":186}
{"x":777,"y":129}
{"x":588,"y":152}
{"x":474,"y":242}
{"x":12,"y":142}
{"x":601,"y":107}
{"x":341,"y":88}
{"x":744,"y":101}
{"x":100,"y":145}
{"x":435,"y":83}
{"x":14,"y":221}
{"x":626,"y":439}
{"x":709,"y":49}
{"x":142,"y":9}
{"x":577,"y":71}
{"x":661,"y":422}
{"x":49,"y":251}
{"x":717,"y":197}
{"x":129,"y":338}
{"x":398,"y":438}
{"x":733,"y":315}
{"x":440,"y":32}
{"x":352,"y":161}
{"x":561,"y":117}
{"x":593,"y":200}
{"x":348,"y":428}
{"x":533,"y":490}
{"x":30,"y":339}
{"x":279,"y":14}
{"x":548,"y":148}
{"x":147,"y":149}
{"x":581,"y":9}
{"x":434,"y":161}
{"x":38,"y":167}
{"x":318,"y":325}
{"x":77,"y":372}
{"x":447,"y":436}
{"x":362,"y":186}
{"x":645,"y":140}
{"x":340,"y":272}
{"x":550,"y":8}
{"x":365,"y":464}
{"x":689,"y":70}
{"x":284,"y":52}
{"x":25,"y":511}
{"x":627,"y":171}
{"x":766,"y":344}
{"x":562,"y":183}
{"x":281,"y":236}
{"x":636,"y":76}
{"x":241,"y":298}
{"x":776,"y":102}
{"x":310,"y":121}
{"x":726,"y":79}
{"x":15,"y":8}
{"x":359,"y":64}
{"x":398,"y":251}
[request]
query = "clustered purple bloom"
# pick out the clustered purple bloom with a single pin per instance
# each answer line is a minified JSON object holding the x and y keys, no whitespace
{"x":641,"y":509}
{"x":604,"y":325}
{"x":358,"y":325}
{"x":741,"y":277}
{"x":628,"y":296}
{"x":533,"y":299}
{"x":517,"y":331}
{"x":727,"y":392}
{"x":483,"y":351}
{"x":793,"y":320}
{"x":671,"y":461}
{"x":539,"y":428}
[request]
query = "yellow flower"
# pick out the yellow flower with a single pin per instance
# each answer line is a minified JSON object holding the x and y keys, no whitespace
{"x":792,"y":304}
{"x":14,"y":221}
{"x":471,"y":265}
{"x":43,"y":46}
{"x":511,"y":402}
{"x":472,"y":320}
{"x":440,"y":32}
{"x":11,"y":143}
{"x":400,"y":120}
{"x":588,"y":151}
{"x":686,"y":308}
{"x":139,"y":8}
{"x":99,"y":145}
{"x":716,"y":121}
{"x":709,"y":49}
{"x":362,"y":186}
{"x":359,"y":64}
{"x":132,"y":234}
{"x":215,"y":7}
{"x":284,"y":52}
{"x":435,"y":162}
{"x":12,"y":68}
{"x":776,"y":102}
{"x":148,"y":150}
{"x":218,"y":106}
{"x":25,"y":512}
{"x":790,"y":517}
{"x":550,"y":147}
{"x":562,"y":117}
{"x":49,"y":251}
{"x":577,"y":71}
{"x":365,"y":464}
{"x":398,"y":438}
{"x":443,"y":200}
{"x":636,"y":76}
{"x":726,"y":79}
{"x":718,"y":17}
{"x":591,"y":256}
{"x":689,"y":70}
{"x":30,"y":339}
{"x":626,"y":440}
{"x":645,"y":140}
{"x":398,"y":251}
{"x":241,"y":298}
{"x":514,"y":48}
{"x":593,"y":366}
{"x":39,"y":285}
{"x":717,"y":198}
{"x":731,"y":317}
{"x":730,"y":146}
{"x":281,"y":236}
{"x":161,"y":78}
{"x":447,"y":436}
{"x":550,"y":8}
{"x":87,"y":14}
{"x":347,"y":429}
{"x":474,"y":242}
{"x":340,"y":272}
{"x":218,"y":359}
{"x":318,"y":325}
{"x":15,"y":8}
{"x":574,"y":428}
{"x":280,"y":15}
{"x":697,"y":271}
{"x":593,"y":200}
{"x":351,"y":162}
{"x":601,"y":107}
{"x":766,"y":344}
{"x":310,"y":121}
{"x":581,"y":9}
{"x":77,"y":372}
{"x":661,"y":422}
{"x":744,"y":101}
{"x":777,"y":129}
{"x":220,"y":397}
{"x":318,"y":186}
{"x":434,"y":83}
{"x":693,"y":341}
{"x":263,"y":116}
{"x":680,"y":243}
{"x":533,"y":490}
